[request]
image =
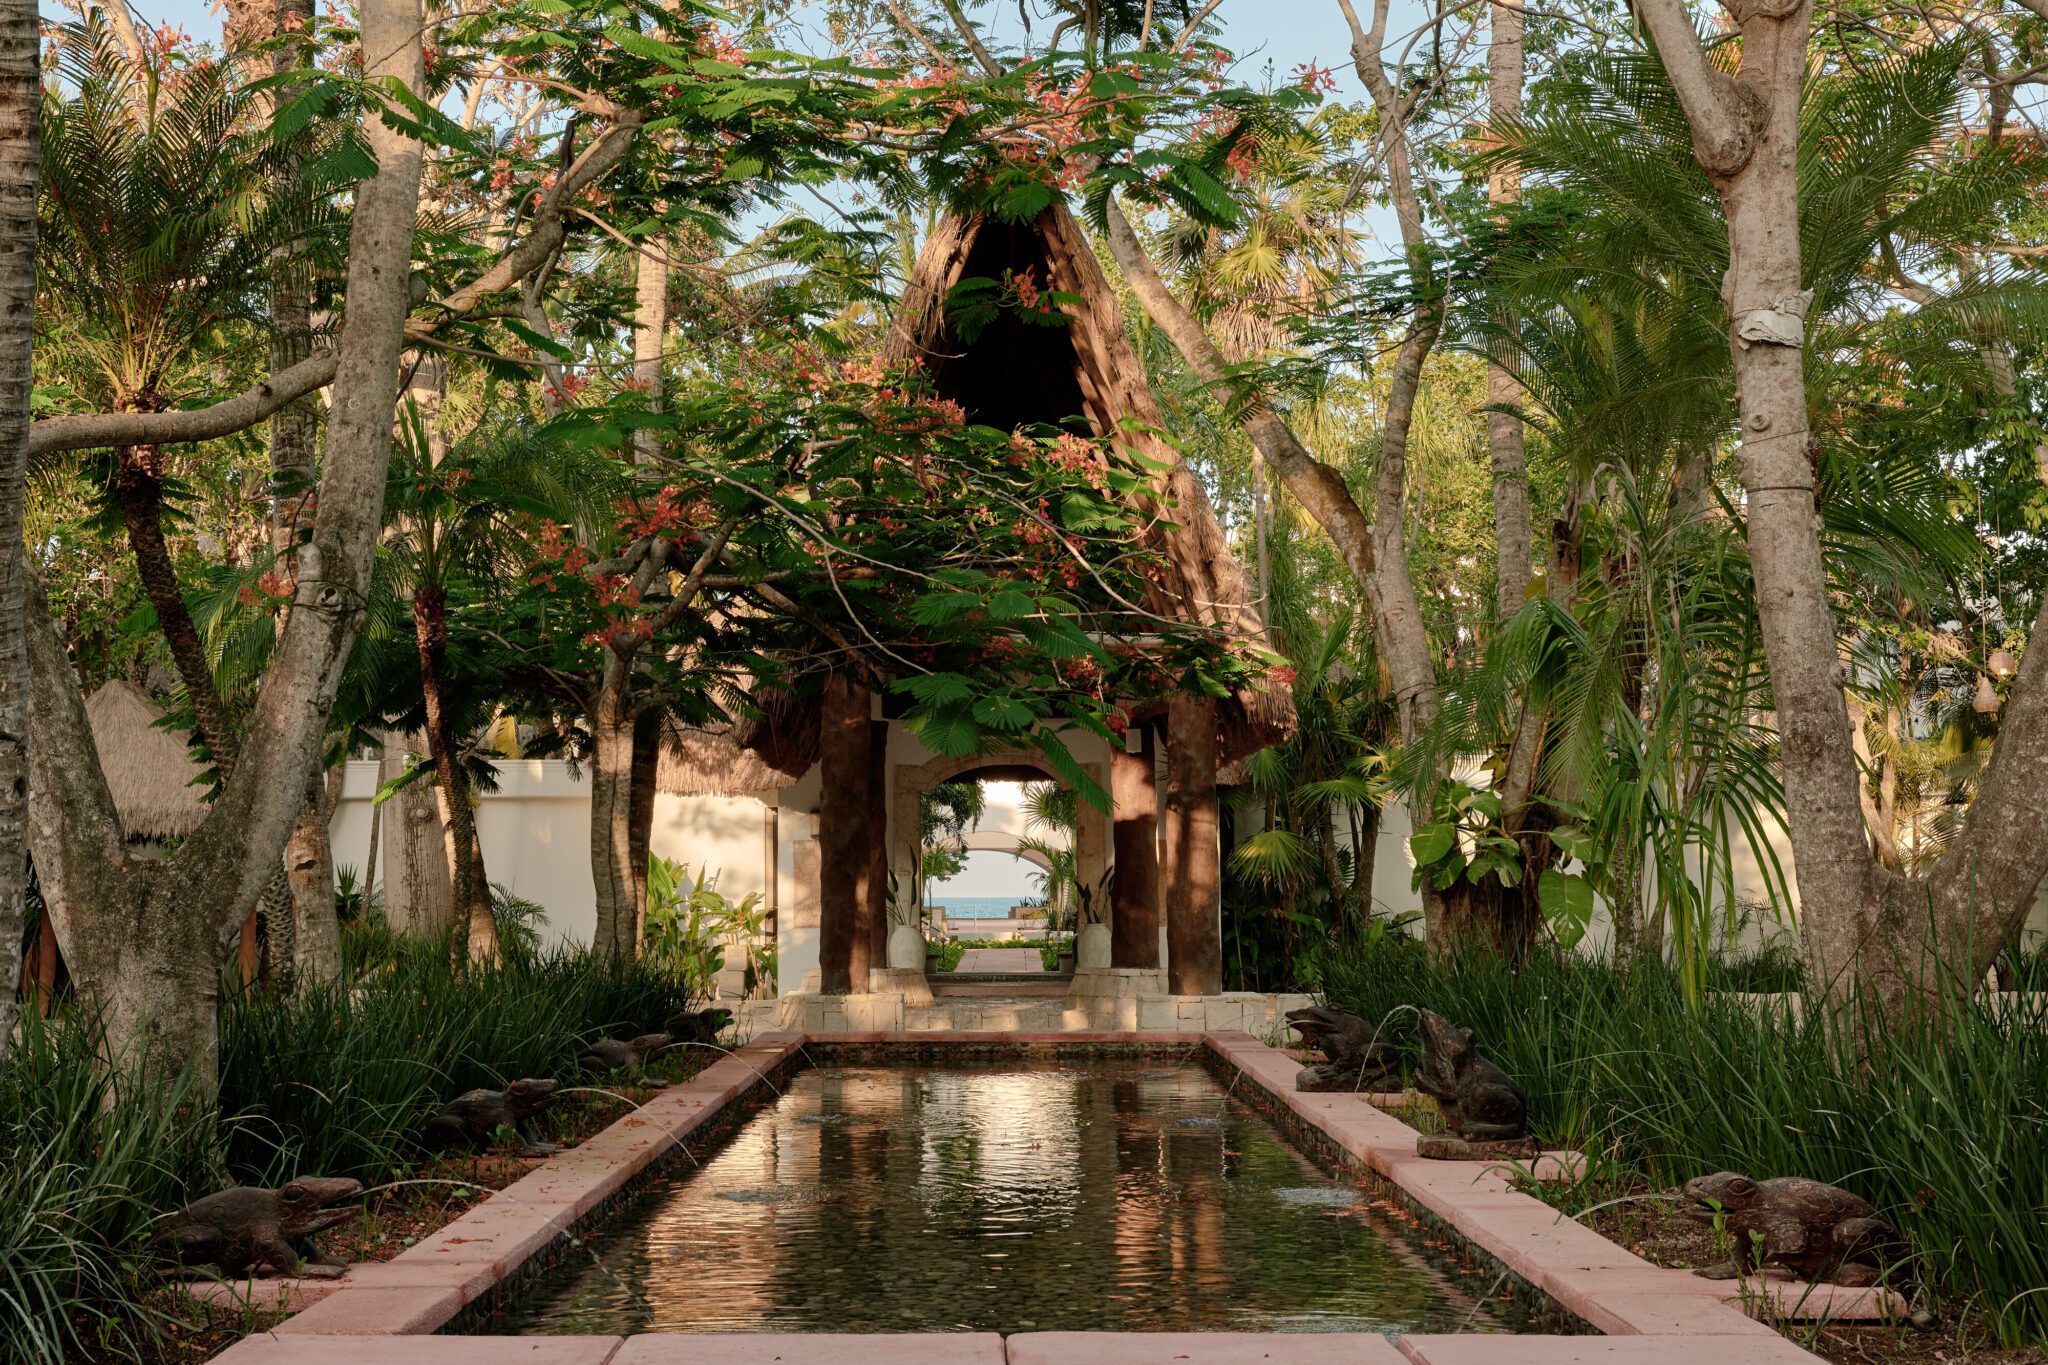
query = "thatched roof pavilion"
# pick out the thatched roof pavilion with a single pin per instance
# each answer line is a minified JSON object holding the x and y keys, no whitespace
{"x":157,"y":787}
{"x":1017,"y":372}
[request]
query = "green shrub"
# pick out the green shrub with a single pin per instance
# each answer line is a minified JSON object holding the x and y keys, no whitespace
{"x":86,"y":1165}
{"x":1947,"y":1135}
{"x":331,"y":1081}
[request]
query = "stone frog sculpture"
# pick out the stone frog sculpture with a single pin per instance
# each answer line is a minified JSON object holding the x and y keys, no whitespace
{"x":1818,"y":1232}
{"x":1487,"y":1114}
{"x":698,"y":1026}
{"x":610,"y":1054}
{"x":1355,"y":1058}
{"x":472,"y":1120}
{"x":248,"y":1228}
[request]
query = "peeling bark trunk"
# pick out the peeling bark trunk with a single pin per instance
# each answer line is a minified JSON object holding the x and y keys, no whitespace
{"x":20,"y":159}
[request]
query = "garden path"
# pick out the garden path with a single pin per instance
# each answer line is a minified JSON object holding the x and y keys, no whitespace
{"x":1001,"y":960}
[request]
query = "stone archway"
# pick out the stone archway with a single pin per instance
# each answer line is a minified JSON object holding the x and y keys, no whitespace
{"x":909,"y":780}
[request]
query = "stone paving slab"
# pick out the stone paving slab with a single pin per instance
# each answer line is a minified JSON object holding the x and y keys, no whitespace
{"x":274,"y":1295}
{"x":812,"y":1348}
{"x":1797,"y":1301}
{"x":1202,"y":1348}
{"x":1001,"y":960}
{"x":267,"y":1349}
{"x":1534,"y":1350}
{"x":376,"y":1312}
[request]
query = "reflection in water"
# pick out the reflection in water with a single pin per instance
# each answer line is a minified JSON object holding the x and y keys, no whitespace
{"x":1084,"y":1196}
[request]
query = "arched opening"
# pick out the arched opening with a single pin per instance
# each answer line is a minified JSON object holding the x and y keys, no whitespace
{"x":959,"y":881}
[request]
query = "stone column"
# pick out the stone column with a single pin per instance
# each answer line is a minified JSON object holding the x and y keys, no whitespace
{"x":1134,"y":839}
{"x":845,"y":830}
{"x":1194,"y":882}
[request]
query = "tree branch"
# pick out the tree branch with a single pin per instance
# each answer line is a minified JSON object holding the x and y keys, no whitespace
{"x":1720,"y":111}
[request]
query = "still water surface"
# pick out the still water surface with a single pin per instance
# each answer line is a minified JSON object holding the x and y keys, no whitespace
{"x":1111,"y":1196}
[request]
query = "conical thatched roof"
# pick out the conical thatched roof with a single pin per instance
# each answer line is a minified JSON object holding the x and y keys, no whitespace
{"x":714,"y":762}
{"x":1017,"y":372}
{"x":150,"y":774}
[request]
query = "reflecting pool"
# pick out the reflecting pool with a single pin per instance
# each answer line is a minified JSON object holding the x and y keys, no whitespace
{"x":1109,"y":1196}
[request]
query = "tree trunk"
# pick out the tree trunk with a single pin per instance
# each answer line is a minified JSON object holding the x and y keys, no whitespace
{"x":611,"y":821}
{"x":1513,"y":553}
{"x":1134,"y":835}
{"x":645,"y":789}
{"x":20,"y":158}
{"x":472,"y":889}
{"x":844,"y":829}
{"x":173,"y":915}
{"x":1194,"y":880}
{"x":309,"y":862}
{"x":419,"y":889}
{"x":650,"y":331}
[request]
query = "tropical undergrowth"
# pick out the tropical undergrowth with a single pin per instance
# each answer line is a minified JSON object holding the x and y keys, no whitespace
{"x":331,"y":1081}
{"x":1942,"y":1124}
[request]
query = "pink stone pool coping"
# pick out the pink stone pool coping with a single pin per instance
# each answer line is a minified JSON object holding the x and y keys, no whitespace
{"x":1650,"y":1314}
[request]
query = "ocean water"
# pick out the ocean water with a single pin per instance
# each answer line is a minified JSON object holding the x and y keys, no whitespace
{"x":975,"y":907}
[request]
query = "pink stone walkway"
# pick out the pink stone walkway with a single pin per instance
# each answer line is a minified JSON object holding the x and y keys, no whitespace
{"x":1001,"y":960}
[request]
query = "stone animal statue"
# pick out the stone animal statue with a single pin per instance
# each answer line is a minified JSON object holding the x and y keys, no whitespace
{"x":1481,"y":1103}
{"x":609,"y":1054}
{"x":247,"y":1228}
{"x":472,"y":1120}
{"x":698,"y":1026}
{"x":1818,"y":1232}
{"x":1356,"y":1059}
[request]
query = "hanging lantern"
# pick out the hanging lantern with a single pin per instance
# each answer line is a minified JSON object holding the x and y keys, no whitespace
{"x":2002,"y":664}
{"x":1986,"y":702}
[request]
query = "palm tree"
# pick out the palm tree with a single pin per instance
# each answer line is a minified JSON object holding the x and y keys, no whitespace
{"x":1649,"y":661}
{"x":20,"y":152}
{"x":158,"y":221}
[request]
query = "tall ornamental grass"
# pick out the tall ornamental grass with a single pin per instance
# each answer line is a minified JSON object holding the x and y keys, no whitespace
{"x":1943,"y":1125}
{"x":330,"y":1082}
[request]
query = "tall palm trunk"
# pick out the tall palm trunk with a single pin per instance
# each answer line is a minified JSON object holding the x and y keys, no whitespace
{"x":1511,"y":530}
{"x":20,"y":158}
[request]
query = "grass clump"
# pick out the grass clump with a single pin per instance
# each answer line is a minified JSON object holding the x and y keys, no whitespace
{"x":1943,"y":1125}
{"x":331,"y":1081}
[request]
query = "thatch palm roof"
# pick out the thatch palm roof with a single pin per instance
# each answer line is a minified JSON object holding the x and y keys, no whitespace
{"x":150,"y":772}
{"x":1016,"y":371}
{"x":712,"y":761}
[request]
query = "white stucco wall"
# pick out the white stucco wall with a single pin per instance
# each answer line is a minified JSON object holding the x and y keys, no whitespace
{"x":535,"y":830}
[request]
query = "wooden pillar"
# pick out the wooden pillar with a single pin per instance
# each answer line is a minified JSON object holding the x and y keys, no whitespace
{"x":875,"y":886}
{"x":844,"y":835}
{"x":1134,"y":844}
{"x":1194,"y":883}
